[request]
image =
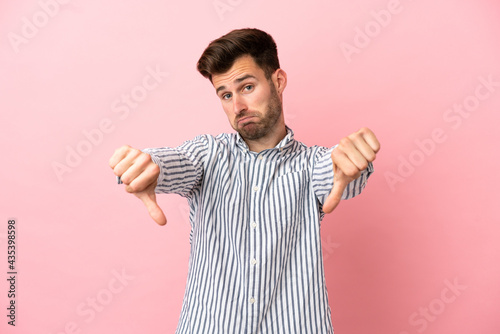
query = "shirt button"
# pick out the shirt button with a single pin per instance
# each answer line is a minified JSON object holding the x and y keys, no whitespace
{"x":252,"y":300}
{"x":254,"y":225}
{"x":255,"y":188}
{"x":261,"y":157}
{"x":253,"y":262}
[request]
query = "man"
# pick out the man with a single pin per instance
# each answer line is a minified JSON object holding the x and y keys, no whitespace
{"x":256,"y":199}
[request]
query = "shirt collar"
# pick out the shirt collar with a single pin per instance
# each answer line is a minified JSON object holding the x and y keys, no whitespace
{"x":284,"y":144}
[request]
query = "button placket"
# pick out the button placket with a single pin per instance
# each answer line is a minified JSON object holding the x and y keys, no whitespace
{"x":252,"y":259}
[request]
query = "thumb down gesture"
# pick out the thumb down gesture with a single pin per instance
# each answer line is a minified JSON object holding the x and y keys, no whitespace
{"x":350,"y":158}
{"x":139,"y":174}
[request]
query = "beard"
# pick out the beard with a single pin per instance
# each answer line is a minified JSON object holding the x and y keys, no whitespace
{"x":256,"y":130}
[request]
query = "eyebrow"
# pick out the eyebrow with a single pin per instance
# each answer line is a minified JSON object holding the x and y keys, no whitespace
{"x":238,"y":80}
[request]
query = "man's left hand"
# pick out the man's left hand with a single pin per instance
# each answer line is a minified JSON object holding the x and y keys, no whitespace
{"x":351,"y":156}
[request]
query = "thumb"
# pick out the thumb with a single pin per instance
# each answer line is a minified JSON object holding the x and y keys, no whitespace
{"x":148,"y":197}
{"x":339,"y":185}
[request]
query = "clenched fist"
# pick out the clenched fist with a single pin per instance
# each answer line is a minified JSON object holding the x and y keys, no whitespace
{"x":139,"y":174}
{"x":350,"y":158}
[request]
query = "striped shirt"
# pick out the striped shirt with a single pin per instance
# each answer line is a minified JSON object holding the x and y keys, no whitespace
{"x":256,"y":263}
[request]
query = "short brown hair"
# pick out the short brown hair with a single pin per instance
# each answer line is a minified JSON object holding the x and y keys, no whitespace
{"x":221,"y":53}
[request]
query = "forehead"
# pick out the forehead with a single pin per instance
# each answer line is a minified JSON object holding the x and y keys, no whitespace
{"x":243,"y":66}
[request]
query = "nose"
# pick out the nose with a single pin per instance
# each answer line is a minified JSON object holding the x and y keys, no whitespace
{"x":239,"y":104}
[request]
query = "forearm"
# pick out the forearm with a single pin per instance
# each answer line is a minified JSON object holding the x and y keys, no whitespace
{"x":177,"y":175}
{"x":182,"y":167}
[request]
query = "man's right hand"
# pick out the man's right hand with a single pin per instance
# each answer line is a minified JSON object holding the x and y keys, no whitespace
{"x":139,"y":174}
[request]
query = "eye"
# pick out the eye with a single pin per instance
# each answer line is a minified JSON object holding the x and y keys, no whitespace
{"x":226,"y":96}
{"x":248,"y":87}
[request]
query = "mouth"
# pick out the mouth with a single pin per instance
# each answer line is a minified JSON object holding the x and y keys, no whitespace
{"x":245,"y":119}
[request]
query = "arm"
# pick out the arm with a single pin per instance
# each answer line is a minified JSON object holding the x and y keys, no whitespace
{"x":181,"y":168}
{"x":336,"y":176}
{"x":160,"y":170}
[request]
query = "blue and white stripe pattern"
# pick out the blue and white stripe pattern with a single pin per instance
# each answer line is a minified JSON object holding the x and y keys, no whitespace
{"x":256,"y":262}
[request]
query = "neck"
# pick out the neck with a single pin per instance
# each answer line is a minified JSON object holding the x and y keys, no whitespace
{"x":269,"y":141}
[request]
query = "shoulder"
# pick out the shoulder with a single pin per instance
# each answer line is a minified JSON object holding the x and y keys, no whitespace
{"x":313,"y":153}
{"x":222,"y":138}
{"x":210,"y":142}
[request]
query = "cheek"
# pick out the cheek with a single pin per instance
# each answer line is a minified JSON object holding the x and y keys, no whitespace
{"x":227,"y":111}
{"x":261,"y":99}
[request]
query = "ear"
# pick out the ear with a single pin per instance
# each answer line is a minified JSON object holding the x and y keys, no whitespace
{"x":279,"y":80}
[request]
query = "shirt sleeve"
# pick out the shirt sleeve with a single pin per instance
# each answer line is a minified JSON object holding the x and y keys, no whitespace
{"x":182,"y":167}
{"x":322,"y":179}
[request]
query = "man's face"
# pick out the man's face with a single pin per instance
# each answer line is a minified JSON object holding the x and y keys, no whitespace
{"x":250,"y":101}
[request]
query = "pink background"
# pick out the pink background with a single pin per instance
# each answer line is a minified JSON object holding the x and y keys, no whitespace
{"x":427,"y":220}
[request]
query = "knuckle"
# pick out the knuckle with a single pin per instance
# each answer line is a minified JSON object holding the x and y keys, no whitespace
{"x":344,"y":142}
{"x":125,"y":179}
{"x":132,"y":188}
{"x":144,"y":157}
{"x":123,"y":149}
{"x":363,"y":165}
{"x":155,"y":169}
{"x":364,"y":130}
{"x":134,"y":152}
{"x":351,"y":172}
